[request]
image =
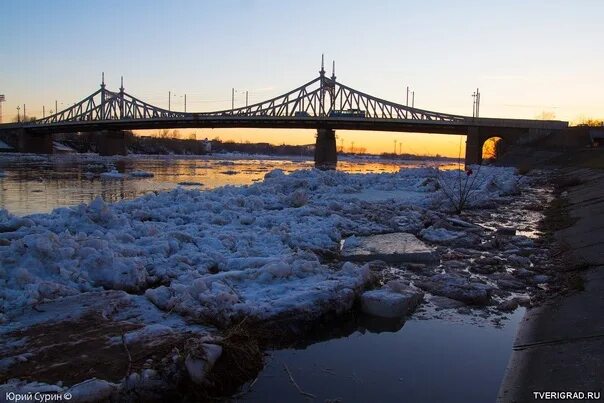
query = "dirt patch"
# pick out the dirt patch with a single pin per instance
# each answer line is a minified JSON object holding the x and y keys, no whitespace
{"x":76,"y":350}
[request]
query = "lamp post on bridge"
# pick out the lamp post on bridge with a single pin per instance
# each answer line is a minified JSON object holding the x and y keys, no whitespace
{"x":18,"y":114}
{"x":476,"y":103}
{"x":2,"y":99}
{"x":412,"y":98}
{"x":233,"y":91}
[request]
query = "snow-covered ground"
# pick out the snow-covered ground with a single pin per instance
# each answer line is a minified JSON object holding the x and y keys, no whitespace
{"x":267,"y":251}
{"x":228,"y":252}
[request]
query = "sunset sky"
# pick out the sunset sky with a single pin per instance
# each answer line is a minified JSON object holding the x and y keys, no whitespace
{"x":527,"y":57}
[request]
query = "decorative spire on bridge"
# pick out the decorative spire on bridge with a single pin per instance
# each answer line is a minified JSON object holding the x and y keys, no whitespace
{"x":121,"y":97}
{"x":102,"y":114}
{"x":322,"y":71}
{"x":333,"y":71}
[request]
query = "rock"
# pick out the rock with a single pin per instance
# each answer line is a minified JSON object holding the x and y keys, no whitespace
{"x":455,"y":264}
{"x":509,"y":305}
{"x":505,"y":231}
{"x":92,"y":390}
{"x":522,"y":241}
{"x":524,"y":301}
{"x":440,"y":235}
{"x":510,"y":284}
{"x":445,"y":303}
{"x":416,"y":267}
{"x":395,"y":247}
{"x":377,"y":265}
{"x":390,"y":302}
{"x":461,"y":223}
{"x":198,"y":368}
{"x":478,"y":267}
{"x":519,"y":261}
{"x":541,"y":278}
{"x":457,"y":288}
{"x":523,"y":273}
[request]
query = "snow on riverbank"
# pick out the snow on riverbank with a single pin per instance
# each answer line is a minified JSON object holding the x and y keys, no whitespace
{"x":235,"y":251}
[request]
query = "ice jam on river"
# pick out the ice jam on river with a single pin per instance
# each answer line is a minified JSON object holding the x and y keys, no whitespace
{"x":162,"y":280}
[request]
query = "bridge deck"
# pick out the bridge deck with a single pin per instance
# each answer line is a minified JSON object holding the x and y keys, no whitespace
{"x":278,"y":122}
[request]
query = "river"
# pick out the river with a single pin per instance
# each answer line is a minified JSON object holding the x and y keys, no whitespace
{"x":38,"y":184}
{"x":454,"y":357}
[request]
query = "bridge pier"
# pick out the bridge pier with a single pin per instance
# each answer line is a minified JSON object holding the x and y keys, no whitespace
{"x":474,"y":143}
{"x":326,"y":156}
{"x":111,"y":142}
{"x":34,"y":143}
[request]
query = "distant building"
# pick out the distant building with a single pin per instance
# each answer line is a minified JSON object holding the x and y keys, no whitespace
{"x":207,"y":145}
{"x":597,"y":136}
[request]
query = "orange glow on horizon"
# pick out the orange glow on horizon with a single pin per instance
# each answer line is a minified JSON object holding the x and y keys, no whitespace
{"x":372,"y":142}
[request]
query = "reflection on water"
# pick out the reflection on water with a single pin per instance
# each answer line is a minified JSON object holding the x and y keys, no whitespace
{"x":35,"y":184}
{"x":423,"y":361}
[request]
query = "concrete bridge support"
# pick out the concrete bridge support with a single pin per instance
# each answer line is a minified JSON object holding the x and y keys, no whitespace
{"x":326,"y":156}
{"x":474,"y":142}
{"x":111,"y":142}
{"x":34,"y":143}
{"x":476,"y":138}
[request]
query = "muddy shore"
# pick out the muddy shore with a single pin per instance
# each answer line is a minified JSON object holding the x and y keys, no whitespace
{"x":560,"y":344}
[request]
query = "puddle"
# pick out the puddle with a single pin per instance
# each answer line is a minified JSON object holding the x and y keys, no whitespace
{"x":424,"y":360}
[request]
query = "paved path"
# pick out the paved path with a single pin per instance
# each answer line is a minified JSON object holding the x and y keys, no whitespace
{"x":560,"y":345}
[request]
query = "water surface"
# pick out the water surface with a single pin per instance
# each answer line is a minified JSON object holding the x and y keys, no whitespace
{"x":37,"y":184}
{"x":432,"y":360}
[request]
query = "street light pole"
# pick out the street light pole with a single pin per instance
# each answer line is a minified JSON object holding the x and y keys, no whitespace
{"x":169,"y":99}
{"x":232,"y":98}
{"x":185,"y":103}
{"x":477,"y":102}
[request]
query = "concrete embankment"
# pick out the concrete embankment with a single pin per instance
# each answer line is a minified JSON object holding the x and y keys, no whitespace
{"x":560,"y":344}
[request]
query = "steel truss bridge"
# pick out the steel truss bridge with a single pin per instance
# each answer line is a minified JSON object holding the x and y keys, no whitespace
{"x":322,"y":103}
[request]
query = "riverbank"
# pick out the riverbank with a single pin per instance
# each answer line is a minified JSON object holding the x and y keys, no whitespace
{"x":560,"y":345}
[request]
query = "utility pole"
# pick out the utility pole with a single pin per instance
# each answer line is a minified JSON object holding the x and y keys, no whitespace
{"x":2,"y":99}
{"x":477,"y":102}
